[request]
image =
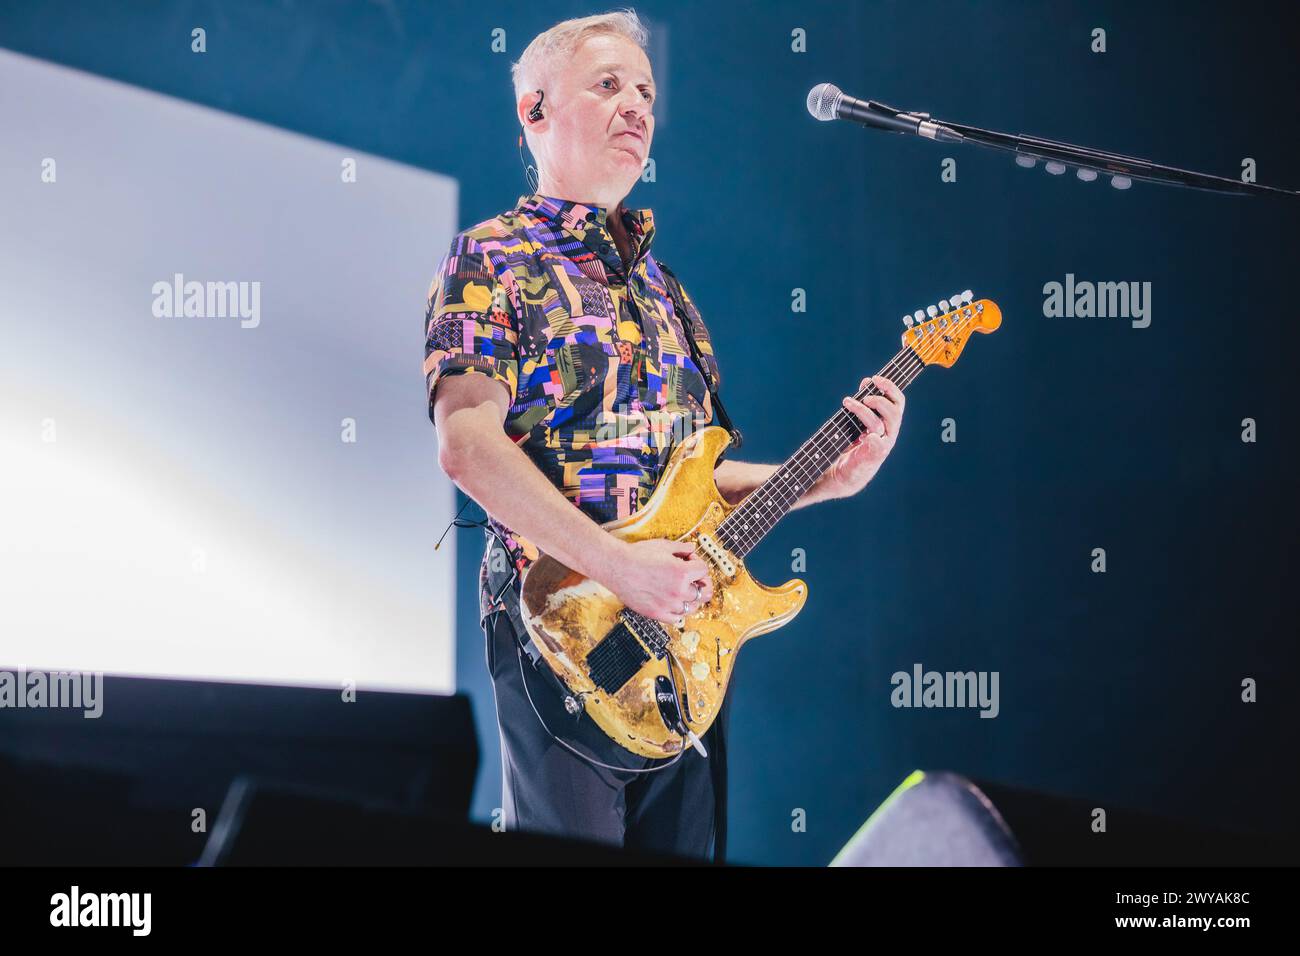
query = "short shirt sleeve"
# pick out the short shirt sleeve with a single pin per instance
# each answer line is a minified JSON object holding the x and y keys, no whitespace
{"x":469,"y":323}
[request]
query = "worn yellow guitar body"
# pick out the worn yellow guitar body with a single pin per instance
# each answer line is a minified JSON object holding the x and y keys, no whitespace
{"x":569,"y":614}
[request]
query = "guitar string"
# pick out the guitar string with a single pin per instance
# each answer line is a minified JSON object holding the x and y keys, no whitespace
{"x":762,"y":510}
{"x":901,"y":370}
{"x":766,"y":510}
{"x":918,"y":363}
{"x":910,"y":365}
{"x":756,"y":508}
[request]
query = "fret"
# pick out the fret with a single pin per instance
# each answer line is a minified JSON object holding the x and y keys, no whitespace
{"x":767,"y":504}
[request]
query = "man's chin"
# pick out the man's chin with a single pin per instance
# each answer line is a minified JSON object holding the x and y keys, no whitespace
{"x":627,"y":159}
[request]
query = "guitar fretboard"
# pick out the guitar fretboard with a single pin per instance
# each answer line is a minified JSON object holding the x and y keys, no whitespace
{"x":767,"y":504}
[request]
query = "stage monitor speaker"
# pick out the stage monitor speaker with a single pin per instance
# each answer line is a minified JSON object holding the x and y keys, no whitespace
{"x":943,"y":819}
{"x":264,"y":825}
{"x":162,"y":750}
{"x":933,"y":819}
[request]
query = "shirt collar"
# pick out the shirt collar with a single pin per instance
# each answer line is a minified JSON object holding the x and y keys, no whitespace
{"x":589,"y":225}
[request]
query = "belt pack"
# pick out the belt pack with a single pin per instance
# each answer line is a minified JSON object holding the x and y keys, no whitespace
{"x":503,"y":583}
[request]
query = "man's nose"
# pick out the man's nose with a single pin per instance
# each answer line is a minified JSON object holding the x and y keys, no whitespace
{"x":636,"y":108}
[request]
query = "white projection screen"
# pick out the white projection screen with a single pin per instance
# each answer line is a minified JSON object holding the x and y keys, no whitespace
{"x":250,"y":493}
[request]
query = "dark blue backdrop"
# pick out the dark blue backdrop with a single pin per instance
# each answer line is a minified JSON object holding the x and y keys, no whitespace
{"x":1073,"y":434}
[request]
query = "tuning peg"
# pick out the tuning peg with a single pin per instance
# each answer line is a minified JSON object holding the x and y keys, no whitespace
{"x":943,"y":306}
{"x":969,"y":296}
{"x":907,"y":320}
{"x":1087,"y":175}
{"x":1054,"y":167}
{"x":931,"y":311}
{"x":1121,"y":182}
{"x":918,"y":315}
{"x":955,"y":300}
{"x":1028,"y":162}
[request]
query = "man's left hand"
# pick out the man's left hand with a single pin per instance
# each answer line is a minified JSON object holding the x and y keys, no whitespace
{"x":882,"y":416}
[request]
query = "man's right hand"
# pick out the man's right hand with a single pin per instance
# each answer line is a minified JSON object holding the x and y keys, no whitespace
{"x":656,"y":577}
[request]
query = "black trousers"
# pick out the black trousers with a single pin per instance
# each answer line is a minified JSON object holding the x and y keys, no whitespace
{"x":546,"y":788}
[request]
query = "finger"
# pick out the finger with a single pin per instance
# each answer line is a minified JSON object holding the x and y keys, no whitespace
{"x":687,"y":590}
{"x":705,"y":592}
{"x":681,"y":549}
{"x":890,"y":389}
{"x":859,"y":409}
{"x":866,"y":415}
{"x":887,"y":410}
{"x":696,"y":569}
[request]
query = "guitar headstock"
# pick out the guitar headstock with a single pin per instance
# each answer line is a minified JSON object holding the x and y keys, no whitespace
{"x":939,"y":333}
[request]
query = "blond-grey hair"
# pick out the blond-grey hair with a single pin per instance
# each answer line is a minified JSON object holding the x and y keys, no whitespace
{"x":532,"y":70}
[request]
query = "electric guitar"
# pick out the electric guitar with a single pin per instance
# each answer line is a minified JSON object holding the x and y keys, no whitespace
{"x":653,"y":686}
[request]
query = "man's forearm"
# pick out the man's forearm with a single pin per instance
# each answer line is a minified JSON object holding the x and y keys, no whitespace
{"x":499,"y":476}
{"x":736,"y":479}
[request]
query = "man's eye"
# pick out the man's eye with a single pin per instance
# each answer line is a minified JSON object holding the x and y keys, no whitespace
{"x":649,"y":96}
{"x":606,"y":81}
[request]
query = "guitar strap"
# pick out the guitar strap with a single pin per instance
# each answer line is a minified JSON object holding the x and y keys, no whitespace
{"x":717,"y":735}
{"x":688,"y":326}
{"x":501,"y":567}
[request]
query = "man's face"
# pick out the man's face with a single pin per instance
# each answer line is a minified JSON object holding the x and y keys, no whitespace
{"x":597,"y":124}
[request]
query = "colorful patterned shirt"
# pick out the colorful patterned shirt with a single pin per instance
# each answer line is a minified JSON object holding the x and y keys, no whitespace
{"x":601,"y":380}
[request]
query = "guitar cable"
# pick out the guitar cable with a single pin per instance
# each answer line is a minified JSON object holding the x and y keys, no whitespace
{"x":719,"y":817}
{"x":519,"y":651}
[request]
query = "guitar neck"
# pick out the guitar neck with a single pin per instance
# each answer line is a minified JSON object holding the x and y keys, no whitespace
{"x":751,"y":520}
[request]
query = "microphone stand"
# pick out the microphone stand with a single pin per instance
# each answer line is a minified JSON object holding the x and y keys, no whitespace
{"x":1088,"y":162}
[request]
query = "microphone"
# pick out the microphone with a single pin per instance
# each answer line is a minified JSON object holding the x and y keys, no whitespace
{"x":826,"y":102}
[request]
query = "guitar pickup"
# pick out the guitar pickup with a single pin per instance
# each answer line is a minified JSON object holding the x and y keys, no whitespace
{"x":616,"y":659}
{"x":717,"y":554}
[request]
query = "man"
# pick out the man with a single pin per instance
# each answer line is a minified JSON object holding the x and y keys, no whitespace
{"x":559,"y":372}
